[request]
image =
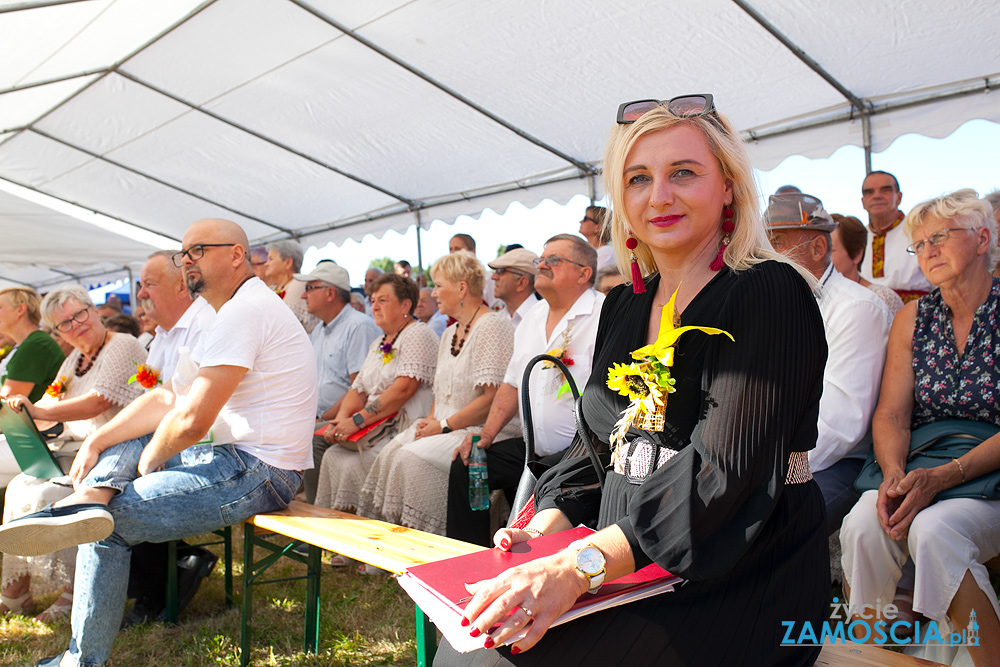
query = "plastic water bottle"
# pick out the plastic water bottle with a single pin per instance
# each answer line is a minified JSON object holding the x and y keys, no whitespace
{"x":479,"y":488}
{"x":184,"y":375}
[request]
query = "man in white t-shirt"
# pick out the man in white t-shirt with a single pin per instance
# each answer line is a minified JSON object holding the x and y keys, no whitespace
{"x":256,"y":391}
{"x":563,"y":324}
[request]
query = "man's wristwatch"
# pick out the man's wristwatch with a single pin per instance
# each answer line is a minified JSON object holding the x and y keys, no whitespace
{"x":590,"y":560}
{"x":444,"y":426}
{"x":358,"y":419}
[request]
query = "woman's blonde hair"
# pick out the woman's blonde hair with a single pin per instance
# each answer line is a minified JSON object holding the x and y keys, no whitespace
{"x":962,"y":208}
{"x":462,"y":266}
{"x":25,"y":296}
{"x":749,"y":244}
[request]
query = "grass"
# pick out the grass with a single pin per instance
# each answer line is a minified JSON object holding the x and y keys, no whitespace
{"x":364,"y":620}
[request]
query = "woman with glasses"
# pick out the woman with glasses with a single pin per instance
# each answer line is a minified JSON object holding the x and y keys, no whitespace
{"x":941,"y":365}
{"x":394,"y":383}
{"x":709,"y":434}
{"x":91,"y":387}
{"x":408,"y":482}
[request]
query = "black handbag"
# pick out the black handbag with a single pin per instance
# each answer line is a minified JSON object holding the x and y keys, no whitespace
{"x":533,"y":468}
{"x":935,"y":444}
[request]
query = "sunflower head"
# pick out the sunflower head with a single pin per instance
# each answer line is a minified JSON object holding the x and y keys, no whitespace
{"x":629,"y":380}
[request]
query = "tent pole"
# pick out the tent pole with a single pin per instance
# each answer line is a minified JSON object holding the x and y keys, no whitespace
{"x":131,"y":291}
{"x":420,"y":258}
{"x":866,"y":140}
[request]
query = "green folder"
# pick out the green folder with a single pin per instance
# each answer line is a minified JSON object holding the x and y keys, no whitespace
{"x":27,"y":444}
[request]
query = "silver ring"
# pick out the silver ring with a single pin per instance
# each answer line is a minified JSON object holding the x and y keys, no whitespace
{"x":527,"y":611}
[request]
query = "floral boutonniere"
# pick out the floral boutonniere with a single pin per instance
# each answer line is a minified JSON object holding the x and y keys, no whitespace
{"x":387,"y":353}
{"x":562,"y":354}
{"x":646,"y":380}
{"x":145,"y":375}
{"x":57,"y":388}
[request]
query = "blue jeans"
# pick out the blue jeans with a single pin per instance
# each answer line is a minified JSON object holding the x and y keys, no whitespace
{"x":177,"y":502}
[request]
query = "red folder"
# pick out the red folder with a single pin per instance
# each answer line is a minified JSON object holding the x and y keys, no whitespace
{"x":361,"y":433}
{"x":438,"y":588}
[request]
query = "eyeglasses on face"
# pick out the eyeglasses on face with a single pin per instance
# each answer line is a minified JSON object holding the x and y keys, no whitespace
{"x":79,"y":317}
{"x":506,"y":269}
{"x":310,"y":288}
{"x":935,"y":239}
{"x":587,"y":217}
{"x":553,"y":260}
{"x":684,"y":106}
{"x":195,"y":252}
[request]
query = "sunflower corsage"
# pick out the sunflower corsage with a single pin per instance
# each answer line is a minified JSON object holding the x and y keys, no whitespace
{"x":145,"y":375}
{"x":646,"y":381}
{"x":56,"y":389}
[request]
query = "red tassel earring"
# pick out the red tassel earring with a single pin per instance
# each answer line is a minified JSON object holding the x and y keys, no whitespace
{"x":728,"y":226}
{"x":638,"y":284}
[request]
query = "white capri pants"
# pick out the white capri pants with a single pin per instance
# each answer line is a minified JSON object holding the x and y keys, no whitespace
{"x":945,"y":540}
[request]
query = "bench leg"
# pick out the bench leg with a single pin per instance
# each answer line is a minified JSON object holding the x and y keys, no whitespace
{"x":247,"y":610}
{"x":426,"y":638}
{"x":311,"y":640}
{"x":171,"y":612}
{"x":227,"y":540}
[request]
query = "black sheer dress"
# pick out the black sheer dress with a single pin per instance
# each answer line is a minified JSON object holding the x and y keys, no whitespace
{"x":723,"y":511}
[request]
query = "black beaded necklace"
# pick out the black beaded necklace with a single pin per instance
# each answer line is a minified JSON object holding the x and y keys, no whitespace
{"x":80,"y":372}
{"x":386,"y":348}
{"x":455,"y":349}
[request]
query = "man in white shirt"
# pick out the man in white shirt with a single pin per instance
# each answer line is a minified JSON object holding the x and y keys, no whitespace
{"x":886,"y":261}
{"x":256,"y":390}
{"x":340,"y":342}
{"x":563,"y":324}
{"x":856,"y":322}
{"x":180,"y":321}
{"x":514,"y":282}
{"x":427,"y":312}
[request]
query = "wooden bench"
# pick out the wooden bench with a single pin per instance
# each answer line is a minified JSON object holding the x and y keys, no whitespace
{"x":394,"y":548}
{"x":384,"y":545}
{"x":866,"y":655}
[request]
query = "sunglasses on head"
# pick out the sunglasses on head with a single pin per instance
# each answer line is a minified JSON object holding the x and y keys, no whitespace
{"x":684,"y":106}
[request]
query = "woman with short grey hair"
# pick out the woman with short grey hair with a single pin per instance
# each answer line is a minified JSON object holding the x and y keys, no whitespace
{"x":91,"y":387}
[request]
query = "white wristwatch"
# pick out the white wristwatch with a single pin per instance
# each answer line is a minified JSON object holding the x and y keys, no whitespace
{"x":591,"y":561}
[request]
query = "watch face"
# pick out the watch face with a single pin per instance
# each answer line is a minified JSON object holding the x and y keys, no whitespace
{"x":358,"y":420}
{"x":590,"y":560}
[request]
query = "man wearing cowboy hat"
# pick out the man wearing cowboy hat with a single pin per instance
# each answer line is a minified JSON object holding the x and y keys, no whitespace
{"x":857,"y":330}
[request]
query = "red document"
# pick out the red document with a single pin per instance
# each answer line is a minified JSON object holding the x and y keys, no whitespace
{"x":438,"y":588}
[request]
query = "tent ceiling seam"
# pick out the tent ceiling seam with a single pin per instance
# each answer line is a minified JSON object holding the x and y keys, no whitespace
{"x":197,"y":10}
{"x":582,"y":166}
{"x":801,"y":54}
{"x":274,"y":142}
{"x":104,"y":158}
{"x":58,"y":79}
{"x":39,"y":4}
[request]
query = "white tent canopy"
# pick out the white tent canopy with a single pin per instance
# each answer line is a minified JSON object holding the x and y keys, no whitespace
{"x":326,"y":120}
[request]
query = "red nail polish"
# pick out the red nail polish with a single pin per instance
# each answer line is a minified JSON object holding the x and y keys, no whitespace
{"x":465,"y":622}
{"x":475,"y":632}
{"x":488,"y":643}
{"x":505,"y":543}
{"x":514,"y":650}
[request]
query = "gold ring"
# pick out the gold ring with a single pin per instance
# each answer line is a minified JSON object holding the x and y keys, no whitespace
{"x":527,"y":611}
